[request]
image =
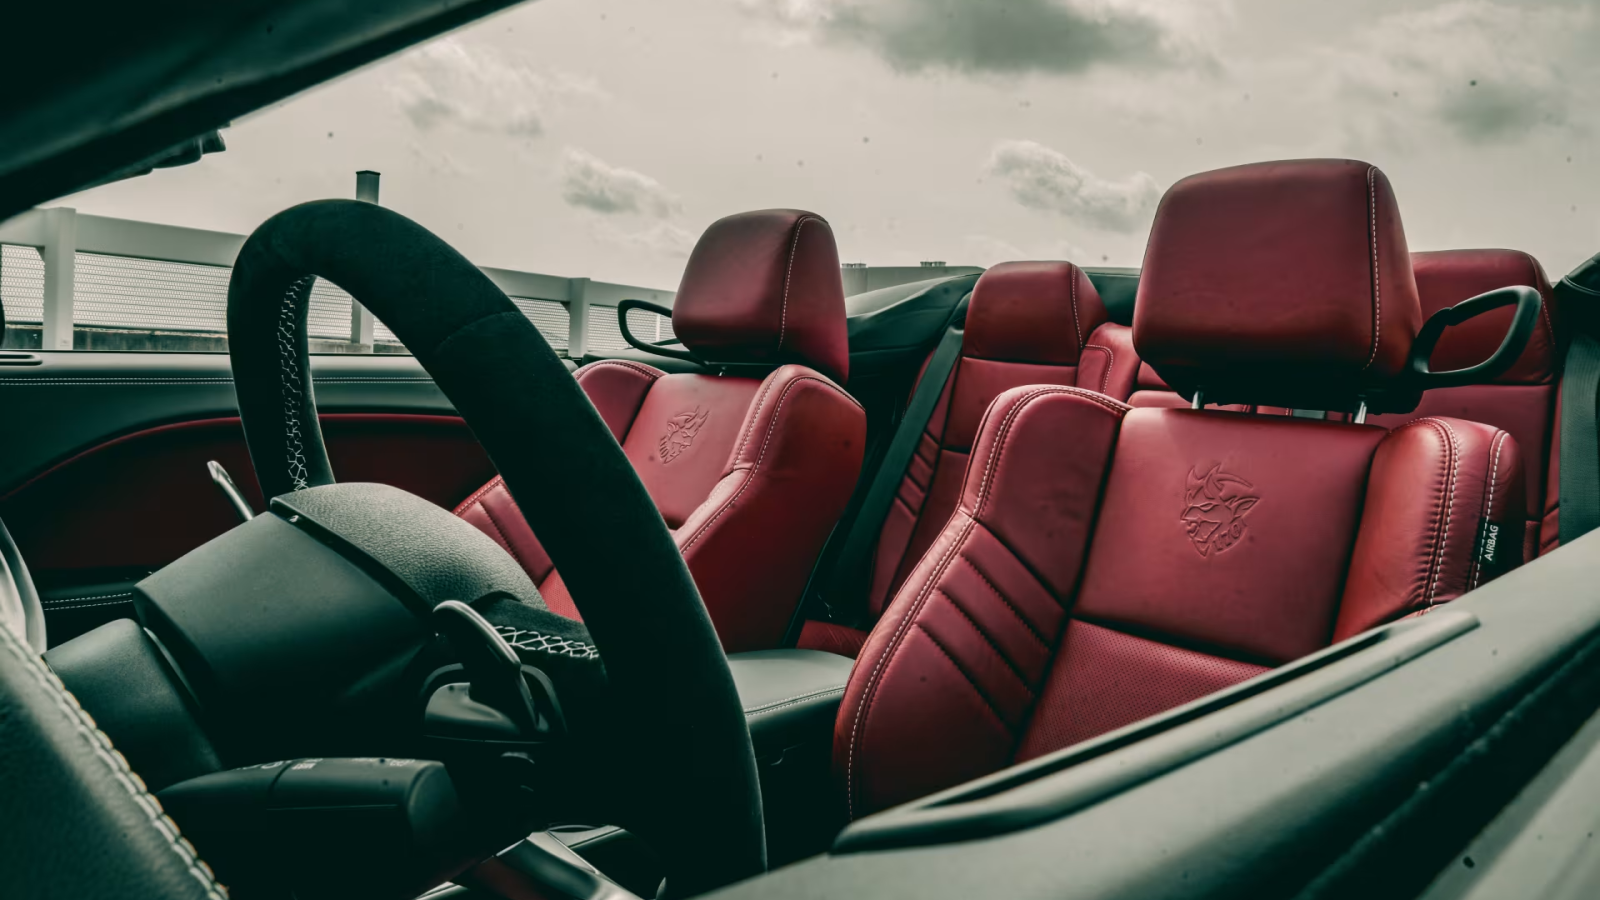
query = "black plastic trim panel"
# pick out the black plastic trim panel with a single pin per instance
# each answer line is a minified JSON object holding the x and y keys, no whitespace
{"x":1024,"y":795}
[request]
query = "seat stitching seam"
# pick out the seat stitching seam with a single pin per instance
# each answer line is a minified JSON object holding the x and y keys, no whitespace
{"x":984,"y":635}
{"x":772,"y":426}
{"x":510,"y":547}
{"x":100,"y":747}
{"x":70,"y":606}
{"x":869,"y":693}
{"x":1452,"y":466}
{"x":788,"y":274}
{"x":1377,"y":291}
{"x":791,"y":701}
{"x":1072,"y":291}
{"x":1432,"y":550}
{"x":1011,"y":414}
{"x":1111,"y":361}
{"x":1014,"y":611}
{"x":63,"y":600}
{"x":1488,"y":506}
{"x":648,"y":372}
{"x":750,"y":424}
{"x":971,"y":681}
{"x":479,"y":494}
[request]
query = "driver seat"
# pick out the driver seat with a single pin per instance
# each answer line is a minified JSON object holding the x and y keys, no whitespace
{"x":1107,"y":563}
{"x":751,"y":465}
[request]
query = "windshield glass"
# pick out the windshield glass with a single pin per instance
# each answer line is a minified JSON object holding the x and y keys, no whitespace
{"x":597,"y":138}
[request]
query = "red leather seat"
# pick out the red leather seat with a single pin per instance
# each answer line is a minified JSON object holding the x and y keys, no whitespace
{"x":751,"y":467}
{"x":1521,"y":401}
{"x":1027,"y":323}
{"x":1106,"y":563}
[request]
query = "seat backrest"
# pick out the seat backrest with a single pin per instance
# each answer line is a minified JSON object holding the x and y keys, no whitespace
{"x":1520,"y":401}
{"x":1107,"y":563}
{"x":752,"y":466}
{"x":1027,"y":323}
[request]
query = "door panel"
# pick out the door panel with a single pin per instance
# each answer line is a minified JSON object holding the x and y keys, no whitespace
{"x":104,"y":469}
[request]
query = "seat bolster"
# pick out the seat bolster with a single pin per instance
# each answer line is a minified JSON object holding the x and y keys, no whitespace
{"x":1444,"y":497}
{"x":1036,"y":472}
{"x":791,"y":473}
{"x":1109,"y":363}
{"x":945,"y":683}
{"x":491,"y":510}
{"x":617,"y":388}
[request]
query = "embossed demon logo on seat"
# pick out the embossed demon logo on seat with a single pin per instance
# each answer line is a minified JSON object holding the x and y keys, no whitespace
{"x":1214,"y":505}
{"x":681,"y":430}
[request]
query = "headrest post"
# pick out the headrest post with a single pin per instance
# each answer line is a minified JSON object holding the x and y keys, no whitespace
{"x":1361,"y":413}
{"x":1199,"y":400}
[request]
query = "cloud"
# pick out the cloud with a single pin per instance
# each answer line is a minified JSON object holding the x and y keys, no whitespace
{"x":447,"y":83}
{"x":661,"y":238}
{"x":1483,"y":71}
{"x":1006,"y":37}
{"x":1045,"y":179}
{"x":593,"y":184}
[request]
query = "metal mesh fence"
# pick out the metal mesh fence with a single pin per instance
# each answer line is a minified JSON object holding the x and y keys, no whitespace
{"x":22,"y":283}
{"x":119,"y":292}
{"x":605,"y":335}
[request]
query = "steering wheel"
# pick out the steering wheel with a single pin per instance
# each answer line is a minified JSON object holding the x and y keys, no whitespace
{"x":672,"y":721}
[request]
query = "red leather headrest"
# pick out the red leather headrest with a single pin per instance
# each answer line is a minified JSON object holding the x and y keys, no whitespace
{"x":763,"y":287}
{"x":1036,"y":312}
{"x":1447,"y":277}
{"x":1281,"y":283}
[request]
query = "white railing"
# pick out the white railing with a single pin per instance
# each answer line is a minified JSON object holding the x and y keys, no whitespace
{"x":60,"y":234}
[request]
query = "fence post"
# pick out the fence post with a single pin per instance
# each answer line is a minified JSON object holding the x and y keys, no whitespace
{"x":60,"y":253}
{"x":360,"y":319}
{"x":577,"y":317}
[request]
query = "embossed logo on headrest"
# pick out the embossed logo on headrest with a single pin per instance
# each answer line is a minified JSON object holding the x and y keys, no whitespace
{"x":1214,"y":506}
{"x":681,"y":430}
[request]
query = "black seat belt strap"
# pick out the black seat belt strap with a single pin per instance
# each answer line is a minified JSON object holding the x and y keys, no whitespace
{"x":863,"y":535}
{"x":1579,"y":301}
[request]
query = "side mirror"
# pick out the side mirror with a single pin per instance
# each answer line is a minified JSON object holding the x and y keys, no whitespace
{"x":1523,"y":321}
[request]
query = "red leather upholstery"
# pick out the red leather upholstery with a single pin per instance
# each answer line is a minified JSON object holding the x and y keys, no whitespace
{"x":749,"y":473}
{"x":1027,"y":323}
{"x":763,"y":287}
{"x":1248,"y":282}
{"x":1106,"y":563}
{"x":1521,"y":401}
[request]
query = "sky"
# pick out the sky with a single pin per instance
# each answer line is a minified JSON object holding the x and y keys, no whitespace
{"x":599,"y":137}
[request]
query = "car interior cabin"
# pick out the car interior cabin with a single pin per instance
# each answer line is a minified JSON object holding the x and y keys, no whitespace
{"x":338,"y":563}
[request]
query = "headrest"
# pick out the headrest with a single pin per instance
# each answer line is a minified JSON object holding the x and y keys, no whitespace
{"x":1036,"y":312}
{"x":1281,"y":283}
{"x":1447,"y":277}
{"x":764,"y":288}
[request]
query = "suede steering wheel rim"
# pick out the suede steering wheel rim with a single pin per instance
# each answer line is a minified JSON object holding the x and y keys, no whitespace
{"x":663,"y":660}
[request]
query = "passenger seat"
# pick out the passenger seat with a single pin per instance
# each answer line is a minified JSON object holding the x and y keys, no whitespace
{"x":1027,"y":323}
{"x":751,"y":464}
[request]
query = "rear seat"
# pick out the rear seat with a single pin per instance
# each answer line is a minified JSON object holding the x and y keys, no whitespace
{"x":1027,"y":323}
{"x":1523,"y":400}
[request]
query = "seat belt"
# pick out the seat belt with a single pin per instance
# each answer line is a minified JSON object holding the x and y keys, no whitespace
{"x":1578,"y":298}
{"x":863,"y":535}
